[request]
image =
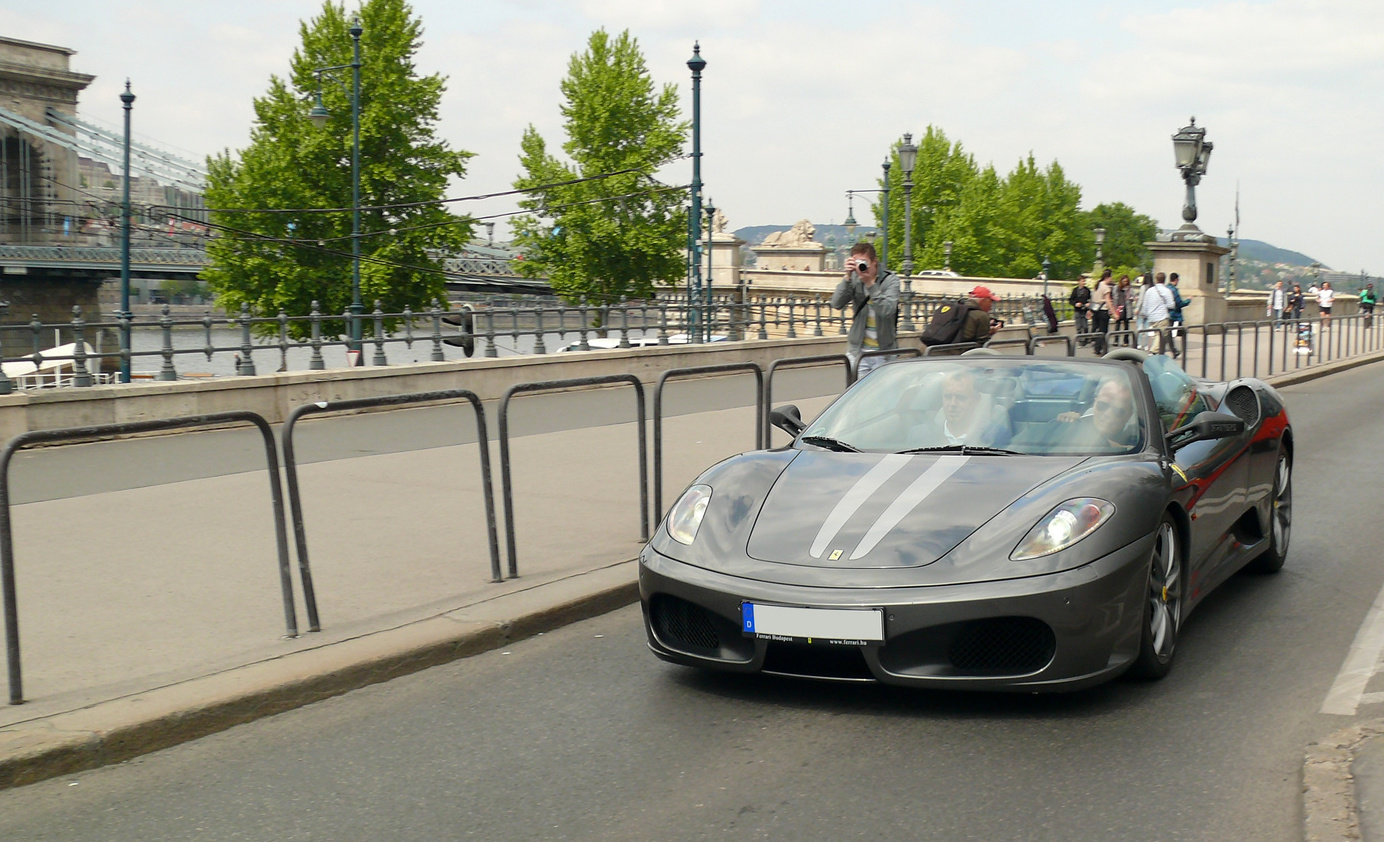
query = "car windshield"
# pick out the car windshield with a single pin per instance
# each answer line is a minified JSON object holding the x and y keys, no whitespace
{"x":987,"y":405}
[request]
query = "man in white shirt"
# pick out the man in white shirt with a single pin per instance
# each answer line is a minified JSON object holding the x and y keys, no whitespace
{"x":1278,"y":300}
{"x":1156,"y":308}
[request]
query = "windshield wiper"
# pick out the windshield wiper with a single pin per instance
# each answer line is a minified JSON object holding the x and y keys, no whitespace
{"x":830,"y":444}
{"x":964,"y":450}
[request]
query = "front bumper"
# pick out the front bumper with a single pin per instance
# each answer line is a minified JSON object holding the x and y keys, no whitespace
{"x":1061,"y":631}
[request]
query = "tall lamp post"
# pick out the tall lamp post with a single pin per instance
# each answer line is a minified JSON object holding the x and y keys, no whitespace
{"x":908,"y":157}
{"x":1100,"y":257}
{"x":884,"y":217}
{"x":128,"y":99}
{"x":319,"y":116}
{"x":1192,"y":152}
{"x":694,"y":289}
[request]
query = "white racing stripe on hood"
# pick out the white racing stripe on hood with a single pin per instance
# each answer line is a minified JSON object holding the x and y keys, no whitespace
{"x":906,"y":502}
{"x":855,"y":498}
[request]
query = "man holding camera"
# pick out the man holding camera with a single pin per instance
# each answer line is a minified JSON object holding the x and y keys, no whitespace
{"x":872,"y":293}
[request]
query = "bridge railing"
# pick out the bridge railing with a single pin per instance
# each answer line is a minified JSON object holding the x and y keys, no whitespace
{"x":81,"y":353}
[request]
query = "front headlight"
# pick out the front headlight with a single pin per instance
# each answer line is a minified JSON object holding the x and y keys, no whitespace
{"x":687,"y":514}
{"x":1063,"y":527}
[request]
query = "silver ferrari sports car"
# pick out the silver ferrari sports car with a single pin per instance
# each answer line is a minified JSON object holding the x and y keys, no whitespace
{"x":979,"y":522}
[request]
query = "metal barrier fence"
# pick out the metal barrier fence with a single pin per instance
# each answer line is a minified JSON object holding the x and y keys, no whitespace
{"x":295,"y":502}
{"x":7,"y":578}
{"x":760,"y":434}
{"x":554,"y":386}
{"x":799,"y":362}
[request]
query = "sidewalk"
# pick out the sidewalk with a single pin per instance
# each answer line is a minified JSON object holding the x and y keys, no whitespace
{"x":174,"y":629}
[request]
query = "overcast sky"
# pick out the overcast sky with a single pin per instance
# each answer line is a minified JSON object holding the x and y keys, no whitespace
{"x":800,"y":100}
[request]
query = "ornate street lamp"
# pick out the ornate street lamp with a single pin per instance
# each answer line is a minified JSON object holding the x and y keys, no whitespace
{"x":128,"y":99}
{"x":694,"y":288}
{"x":908,"y":157}
{"x":319,"y":115}
{"x":1192,"y":152}
{"x":1100,"y":242}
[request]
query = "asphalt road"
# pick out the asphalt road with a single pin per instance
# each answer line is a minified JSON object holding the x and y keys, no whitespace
{"x":581,"y":734}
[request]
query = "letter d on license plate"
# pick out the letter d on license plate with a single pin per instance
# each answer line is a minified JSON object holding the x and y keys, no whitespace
{"x":850,"y":626}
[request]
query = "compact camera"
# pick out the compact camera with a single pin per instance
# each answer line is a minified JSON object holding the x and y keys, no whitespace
{"x":861,"y":266}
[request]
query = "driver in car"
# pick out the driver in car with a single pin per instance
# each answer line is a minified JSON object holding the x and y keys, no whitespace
{"x":1106,"y":424}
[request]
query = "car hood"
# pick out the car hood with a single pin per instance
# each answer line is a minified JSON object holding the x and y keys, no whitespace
{"x":872,"y":510}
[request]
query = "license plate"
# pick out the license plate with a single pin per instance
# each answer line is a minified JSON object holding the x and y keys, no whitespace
{"x":839,"y":626}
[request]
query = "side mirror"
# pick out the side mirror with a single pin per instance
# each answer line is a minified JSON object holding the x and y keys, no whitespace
{"x":1206,"y":426}
{"x":788,"y":419}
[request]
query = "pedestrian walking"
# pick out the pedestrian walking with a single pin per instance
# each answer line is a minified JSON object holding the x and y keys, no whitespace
{"x":871,"y":292}
{"x":1080,"y":299}
{"x":1178,"y":303}
{"x":1102,"y":304}
{"x":1141,"y":321}
{"x":1296,"y":300}
{"x":1326,"y":296}
{"x":1124,"y":306}
{"x":1155,"y":306}
{"x":1278,"y":300}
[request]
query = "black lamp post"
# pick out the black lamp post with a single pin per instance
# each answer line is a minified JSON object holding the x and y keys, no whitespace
{"x":694,"y":284}
{"x":884,"y":218}
{"x":908,"y":157}
{"x":710,"y":248}
{"x":319,"y":116}
{"x":128,"y":99}
{"x":1192,"y":152}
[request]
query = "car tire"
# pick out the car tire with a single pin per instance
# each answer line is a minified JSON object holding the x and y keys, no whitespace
{"x":1280,"y":518}
{"x":1163,"y":603}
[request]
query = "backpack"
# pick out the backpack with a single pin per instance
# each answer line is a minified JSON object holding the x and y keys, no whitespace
{"x":945,"y":327}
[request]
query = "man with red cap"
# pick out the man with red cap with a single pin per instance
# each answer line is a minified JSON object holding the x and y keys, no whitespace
{"x":978,"y":325}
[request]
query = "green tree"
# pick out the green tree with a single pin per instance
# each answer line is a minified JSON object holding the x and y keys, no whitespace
{"x":1039,"y":217}
{"x":974,"y":227}
{"x":940,"y":176}
{"x":286,"y":260}
{"x":615,"y":232}
{"x":1125,"y":234}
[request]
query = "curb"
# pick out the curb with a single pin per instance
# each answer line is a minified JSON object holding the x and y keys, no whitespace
{"x":1336,"y":367}
{"x":113,"y":731}
{"x":1330,"y":808}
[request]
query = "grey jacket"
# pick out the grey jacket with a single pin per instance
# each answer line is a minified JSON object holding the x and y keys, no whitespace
{"x":883,"y":297}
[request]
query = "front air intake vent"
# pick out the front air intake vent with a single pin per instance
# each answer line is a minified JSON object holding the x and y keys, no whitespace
{"x":1002,"y":646}
{"x":1243,"y":403}
{"x":687,"y":626}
